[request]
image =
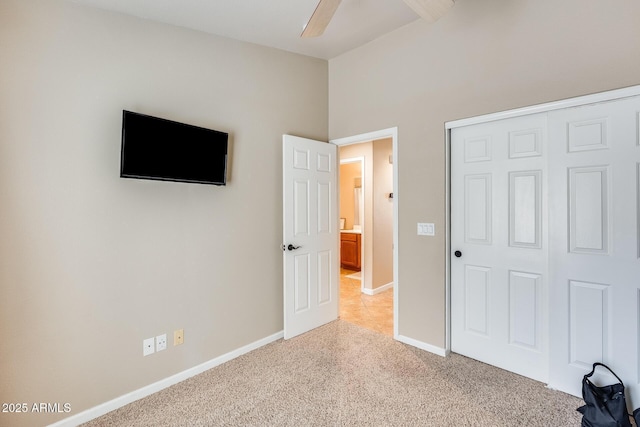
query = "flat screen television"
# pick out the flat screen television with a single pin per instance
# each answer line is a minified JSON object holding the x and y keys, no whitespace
{"x":160,"y":149}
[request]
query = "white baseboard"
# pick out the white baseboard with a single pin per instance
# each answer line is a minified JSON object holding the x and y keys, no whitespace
{"x":125,"y":399}
{"x":378,"y":289}
{"x":423,"y":346}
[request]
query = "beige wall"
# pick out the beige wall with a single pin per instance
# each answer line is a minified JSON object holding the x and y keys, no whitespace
{"x":91,"y":264}
{"x":482,"y":57}
{"x":382,"y":213}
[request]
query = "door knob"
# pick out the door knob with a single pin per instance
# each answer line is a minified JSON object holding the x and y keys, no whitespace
{"x":292,"y":248}
{"x":458,"y":254}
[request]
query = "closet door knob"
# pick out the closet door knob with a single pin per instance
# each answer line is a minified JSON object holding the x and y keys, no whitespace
{"x":458,"y":254}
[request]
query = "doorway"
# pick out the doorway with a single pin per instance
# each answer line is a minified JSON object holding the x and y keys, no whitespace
{"x":351,"y":186}
{"x":369,"y":288}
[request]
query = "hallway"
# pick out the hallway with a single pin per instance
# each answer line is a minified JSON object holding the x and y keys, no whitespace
{"x":373,"y":312}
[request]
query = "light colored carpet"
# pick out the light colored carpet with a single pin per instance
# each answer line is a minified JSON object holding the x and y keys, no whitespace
{"x":344,"y":375}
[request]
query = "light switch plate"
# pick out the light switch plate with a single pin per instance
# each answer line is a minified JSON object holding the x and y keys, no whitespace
{"x":426,"y":229}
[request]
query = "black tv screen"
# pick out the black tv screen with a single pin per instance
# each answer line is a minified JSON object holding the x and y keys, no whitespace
{"x":160,"y":149}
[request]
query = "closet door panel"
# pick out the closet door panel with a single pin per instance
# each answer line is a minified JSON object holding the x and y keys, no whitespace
{"x":594,"y":267}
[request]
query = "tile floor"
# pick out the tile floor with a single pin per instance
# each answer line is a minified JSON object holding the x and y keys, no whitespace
{"x":373,"y":312}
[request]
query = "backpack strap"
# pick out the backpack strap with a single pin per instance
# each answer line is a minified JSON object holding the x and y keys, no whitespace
{"x":595,"y":365}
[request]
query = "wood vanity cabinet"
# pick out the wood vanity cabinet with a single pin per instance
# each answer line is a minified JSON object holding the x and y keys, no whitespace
{"x":350,"y":251}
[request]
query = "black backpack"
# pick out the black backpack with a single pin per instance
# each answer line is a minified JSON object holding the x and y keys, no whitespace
{"x":605,"y":406}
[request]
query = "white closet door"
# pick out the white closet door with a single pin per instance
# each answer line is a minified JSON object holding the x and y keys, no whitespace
{"x":594,"y":158}
{"x":499,"y":228}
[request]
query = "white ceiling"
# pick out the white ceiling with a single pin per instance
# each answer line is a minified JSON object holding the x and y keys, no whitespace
{"x":274,"y":23}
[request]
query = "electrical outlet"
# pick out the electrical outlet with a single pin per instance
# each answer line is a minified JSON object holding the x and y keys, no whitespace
{"x":161,"y":342}
{"x":178,"y":337}
{"x":148,"y":347}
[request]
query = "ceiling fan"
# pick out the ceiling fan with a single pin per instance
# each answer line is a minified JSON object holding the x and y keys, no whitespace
{"x":429,"y":10}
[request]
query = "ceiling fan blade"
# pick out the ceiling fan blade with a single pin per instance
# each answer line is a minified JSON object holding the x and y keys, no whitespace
{"x":320,"y":18}
{"x":430,"y":10}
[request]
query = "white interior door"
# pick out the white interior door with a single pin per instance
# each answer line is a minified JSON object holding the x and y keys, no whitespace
{"x":499,"y":245}
{"x":594,"y":163}
{"x":310,"y":234}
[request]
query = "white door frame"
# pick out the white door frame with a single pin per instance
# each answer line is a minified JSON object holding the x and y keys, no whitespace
{"x":371,"y":136}
{"x":362,"y":235}
{"x":539,"y":108}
